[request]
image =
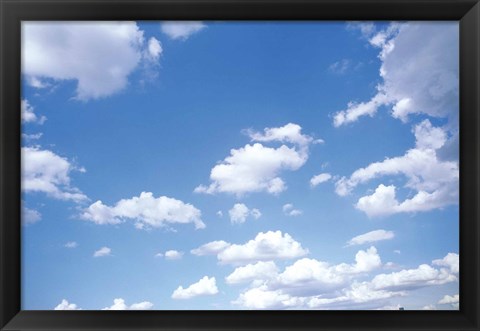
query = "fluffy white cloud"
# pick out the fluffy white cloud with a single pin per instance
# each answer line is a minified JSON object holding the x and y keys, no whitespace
{"x":44,"y":171}
{"x":181,"y":29}
{"x":104,"y":251}
{"x":146,"y":211}
{"x":30,"y":216}
{"x":256,"y":168}
{"x":451,"y":300}
{"x":28,"y":114}
{"x":240,"y":212}
{"x":211,"y":248}
{"x":205,"y":286}
{"x":370,"y":237}
{"x":313,"y":284}
{"x":98,"y":55}
{"x":290,"y":211}
{"x":71,"y":244}
{"x":259,"y":271}
{"x":265,"y":247}
{"x":451,"y":261}
{"x":435,"y":181}
{"x":65,"y":305}
{"x":320,"y":178}
{"x":406,"y":54}
{"x":119,"y":304}
{"x":173,"y":255}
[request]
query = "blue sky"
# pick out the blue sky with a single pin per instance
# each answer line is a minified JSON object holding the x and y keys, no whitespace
{"x":235,"y":165}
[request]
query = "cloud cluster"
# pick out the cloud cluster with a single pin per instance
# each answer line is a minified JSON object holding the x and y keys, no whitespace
{"x":435,"y":181}
{"x":146,"y":211}
{"x":205,"y":286}
{"x":99,"y":56}
{"x":405,"y":55}
{"x":45,"y":171}
{"x":181,"y":30}
{"x":313,"y":284}
{"x":265,"y":246}
{"x":240,"y":212}
{"x":65,"y":305}
{"x":119,"y":304}
{"x":256,"y":168}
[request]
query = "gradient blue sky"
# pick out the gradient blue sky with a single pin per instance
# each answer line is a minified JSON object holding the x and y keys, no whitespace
{"x":223,"y":126}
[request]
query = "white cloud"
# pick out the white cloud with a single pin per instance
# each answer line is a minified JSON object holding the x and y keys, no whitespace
{"x":104,"y":251}
{"x":451,"y":300}
{"x":219,"y":213}
{"x":154,"y":49}
{"x":407,"y":54}
{"x":30,"y":216}
{"x":28,"y":114}
{"x":44,"y":171}
{"x":266,"y":246}
{"x":119,"y":304}
{"x":181,"y":29}
{"x":290,"y":211}
{"x":99,"y":56}
{"x":205,"y":286}
{"x":435,"y":181}
{"x":34,"y":136}
{"x":451,"y":260}
{"x":256,"y":168}
{"x":370,"y":237}
{"x":71,"y":244}
{"x":211,"y":248}
{"x":65,"y":305}
{"x":253,"y":272}
{"x":240,"y":212}
{"x":313,"y":284}
{"x":146,"y":211}
{"x":320,"y":178}
{"x":173,"y":255}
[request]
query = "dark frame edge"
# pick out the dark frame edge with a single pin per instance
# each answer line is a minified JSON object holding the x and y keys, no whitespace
{"x":9,"y":166}
{"x":12,"y":318}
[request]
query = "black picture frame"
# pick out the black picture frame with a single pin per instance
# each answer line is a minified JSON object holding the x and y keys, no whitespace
{"x":12,"y":12}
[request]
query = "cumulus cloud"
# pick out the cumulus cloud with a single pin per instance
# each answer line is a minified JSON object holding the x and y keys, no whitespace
{"x":264,"y":247}
{"x":259,"y":271}
{"x":450,"y":300}
{"x":240,"y":212}
{"x":205,"y":286}
{"x":370,"y":237}
{"x":320,"y":178}
{"x":181,"y":29}
{"x":146,"y":211}
{"x":313,"y":284}
{"x":406,"y":54}
{"x":104,"y":251}
{"x":65,"y":305}
{"x":119,"y":304}
{"x":211,"y":248}
{"x":28,"y":114}
{"x":256,"y":168}
{"x":99,"y":56}
{"x":154,"y":49}
{"x":289,"y":210}
{"x":30,"y":216}
{"x":173,"y":255}
{"x":45,"y":171}
{"x":434,"y":180}
{"x":451,"y":261}
{"x":71,"y":244}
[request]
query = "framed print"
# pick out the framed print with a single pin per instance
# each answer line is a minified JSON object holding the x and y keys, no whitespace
{"x":239,"y":165}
